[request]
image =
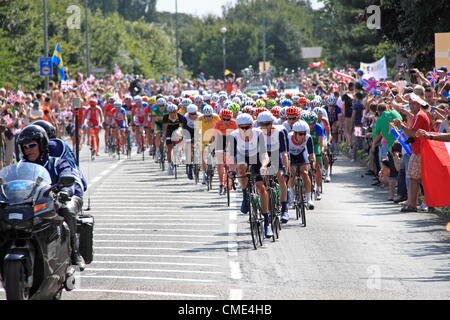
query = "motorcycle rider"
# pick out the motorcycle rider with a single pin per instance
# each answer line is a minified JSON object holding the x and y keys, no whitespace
{"x":60,"y":149}
{"x":33,"y":142}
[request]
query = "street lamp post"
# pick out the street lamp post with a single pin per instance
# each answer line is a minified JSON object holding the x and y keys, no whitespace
{"x":46,"y":40}
{"x":177,"y":71}
{"x":223,"y":30}
{"x":88,"y":58}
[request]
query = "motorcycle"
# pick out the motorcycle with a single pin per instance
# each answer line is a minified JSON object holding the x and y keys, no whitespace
{"x":35,"y":249}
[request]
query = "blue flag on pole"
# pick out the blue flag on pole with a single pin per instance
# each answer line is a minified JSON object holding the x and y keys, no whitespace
{"x":58,"y":61}
{"x":401,"y":138}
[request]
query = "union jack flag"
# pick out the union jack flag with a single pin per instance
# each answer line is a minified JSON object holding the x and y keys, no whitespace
{"x":447,"y":77}
{"x":370,"y":85}
{"x":13,"y":98}
{"x":433,"y":77}
{"x":334,"y":86}
{"x":384,"y":87}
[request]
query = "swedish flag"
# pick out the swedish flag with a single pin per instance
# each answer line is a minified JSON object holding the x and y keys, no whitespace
{"x":58,"y":61}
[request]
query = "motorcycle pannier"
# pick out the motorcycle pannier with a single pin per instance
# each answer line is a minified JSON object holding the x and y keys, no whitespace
{"x":85,"y":228}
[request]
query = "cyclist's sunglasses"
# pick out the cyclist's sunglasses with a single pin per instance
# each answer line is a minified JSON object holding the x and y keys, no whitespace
{"x":30,"y":146}
{"x":226,"y":119}
{"x":292,"y":118}
{"x":245,"y":128}
{"x":192,"y":114}
{"x":301,"y":133}
{"x":264,"y":124}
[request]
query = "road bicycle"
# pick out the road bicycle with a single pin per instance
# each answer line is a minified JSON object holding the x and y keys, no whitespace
{"x":255,"y":218}
{"x":273,"y":189}
{"x":299,"y":198}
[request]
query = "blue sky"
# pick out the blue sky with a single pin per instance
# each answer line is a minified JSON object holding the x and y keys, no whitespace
{"x":201,"y":7}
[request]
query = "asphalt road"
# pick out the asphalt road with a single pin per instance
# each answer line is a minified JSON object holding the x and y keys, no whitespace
{"x":161,"y":238}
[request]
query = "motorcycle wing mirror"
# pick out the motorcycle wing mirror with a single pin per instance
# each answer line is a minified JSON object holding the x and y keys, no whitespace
{"x":67,"y":181}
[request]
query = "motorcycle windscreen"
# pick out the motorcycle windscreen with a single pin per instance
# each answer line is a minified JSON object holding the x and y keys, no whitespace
{"x":19,"y":180}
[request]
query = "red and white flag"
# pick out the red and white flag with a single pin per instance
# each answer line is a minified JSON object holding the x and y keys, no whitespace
{"x":317,"y":64}
{"x":344,"y":76}
{"x":436,"y":172}
{"x":117,"y":72}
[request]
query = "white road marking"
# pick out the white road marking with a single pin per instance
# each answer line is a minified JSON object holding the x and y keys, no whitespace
{"x":236,"y":294}
{"x":232,"y":245}
{"x":148,"y":241}
{"x":153,"y":235}
{"x":235,"y":270}
{"x":149,"y":293}
{"x":147,"y":230}
{"x":149,"y":278}
{"x":155,"y":256}
{"x":154,"y":270}
{"x":155,"y":263}
{"x":161,"y":224}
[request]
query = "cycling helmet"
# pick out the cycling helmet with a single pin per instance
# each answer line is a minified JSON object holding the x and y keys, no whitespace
{"x":331,"y":101}
{"x":108,"y":95}
{"x":302,"y":100}
{"x":286,"y":103}
{"x":234,"y":107}
{"x":215,"y":98}
{"x":130,"y":98}
{"x":207,"y":98}
{"x":321,"y":112}
{"x":225,"y":113}
{"x":247,"y":110}
{"x":292,"y":112}
{"x":161,"y":102}
{"x":283,"y":112}
{"x":260,"y":103}
{"x":48,"y":127}
{"x":300,"y":126}
{"x":170,"y":98}
{"x":276,"y":111}
{"x":249,"y":103}
{"x":227,"y":103}
{"x":271,"y":103}
{"x":310,"y":117}
{"x":273,"y":94}
{"x":118,"y":103}
{"x":33,"y":133}
{"x":236,"y":100}
{"x":260,"y":110}
{"x":192,"y":108}
{"x":208,"y":110}
{"x":265,"y":116}
{"x":92,"y":102}
{"x":315,"y":103}
{"x":172,"y":107}
{"x":244,"y":119}
{"x":138,"y":99}
{"x":185,"y":102}
{"x":288,"y":95}
{"x":198,"y":99}
{"x":310,"y":97}
{"x":255,"y":96}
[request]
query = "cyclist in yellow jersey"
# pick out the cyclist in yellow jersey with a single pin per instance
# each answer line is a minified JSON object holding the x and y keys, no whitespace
{"x":204,"y":132}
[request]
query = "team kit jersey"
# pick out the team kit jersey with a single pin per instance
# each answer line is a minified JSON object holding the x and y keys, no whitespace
{"x":299,"y":152}
{"x":94,"y":116}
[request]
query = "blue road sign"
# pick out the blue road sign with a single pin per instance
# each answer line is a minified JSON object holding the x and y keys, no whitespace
{"x":45,"y":67}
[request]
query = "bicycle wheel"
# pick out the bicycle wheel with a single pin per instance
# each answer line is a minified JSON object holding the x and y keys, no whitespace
{"x":272,"y":215}
{"x":228,"y":190}
{"x":301,"y":204}
{"x":253,"y":221}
